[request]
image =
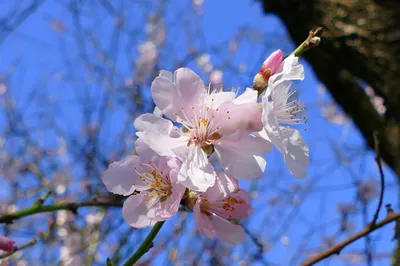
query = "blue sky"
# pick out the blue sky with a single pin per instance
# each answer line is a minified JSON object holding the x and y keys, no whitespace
{"x":40,"y":56}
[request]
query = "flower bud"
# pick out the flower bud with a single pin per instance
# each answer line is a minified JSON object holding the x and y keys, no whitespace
{"x":6,"y":244}
{"x":268,"y":68}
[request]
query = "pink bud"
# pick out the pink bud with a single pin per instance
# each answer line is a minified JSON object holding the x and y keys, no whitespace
{"x":271,"y":64}
{"x":268,"y":68}
{"x":6,"y":244}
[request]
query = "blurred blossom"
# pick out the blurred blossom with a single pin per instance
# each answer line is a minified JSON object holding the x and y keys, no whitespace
{"x":203,"y":61}
{"x":333,"y":114}
{"x":254,"y":194}
{"x":58,"y":26}
{"x":198,"y":3}
{"x":329,"y":241}
{"x":156,"y":29}
{"x":216,"y":76}
{"x":3,"y":88}
{"x":346,"y":208}
{"x":233,"y":46}
{"x":329,"y":109}
{"x":119,"y":21}
{"x":285,"y":240}
{"x":6,"y":244}
{"x":376,"y":100}
{"x":146,"y":62}
{"x":346,"y":226}
{"x":22,"y":263}
{"x":273,"y":200}
{"x":368,"y":189}
{"x":354,"y":258}
{"x":69,"y":252}
{"x":61,"y":217}
{"x":94,"y":218}
{"x":242,"y":67}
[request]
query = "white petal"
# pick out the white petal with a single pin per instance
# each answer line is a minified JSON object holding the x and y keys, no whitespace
{"x":248,"y":96}
{"x":120,"y":176}
{"x":197,"y":173}
{"x":135,"y":211}
{"x":292,"y":146}
{"x":155,"y":132}
{"x":153,"y":123}
{"x":242,"y":155}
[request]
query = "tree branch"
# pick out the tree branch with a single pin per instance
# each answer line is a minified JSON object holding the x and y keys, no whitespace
{"x":382,"y":176}
{"x":336,"y":249}
{"x":70,"y":206}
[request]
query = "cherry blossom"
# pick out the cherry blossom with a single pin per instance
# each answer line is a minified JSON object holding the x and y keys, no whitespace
{"x":151,"y":182}
{"x":279,"y":111}
{"x":209,"y":121}
{"x":6,"y":244}
{"x":218,"y":210}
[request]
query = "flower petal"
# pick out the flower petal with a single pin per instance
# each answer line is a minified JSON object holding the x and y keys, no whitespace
{"x":166,"y":208}
{"x":227,"y":230}
{"x":292,"y":146}
{"x":120,"y":176}
{"x":136,"y":212}
{"x":202,"y":221}
{"x":197,"y":173}
{"x":171,"y":96}
{"x":242,"y":155}
{"x":290,"y":69}
{"x":155,"y":132}
{"x":224,"y":185}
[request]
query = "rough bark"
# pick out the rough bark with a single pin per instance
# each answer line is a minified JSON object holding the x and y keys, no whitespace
{"x":361,"y":42}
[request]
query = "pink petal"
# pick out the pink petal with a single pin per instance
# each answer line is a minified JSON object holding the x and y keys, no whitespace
{"x":245,"y":117}
{"x":136,"y":212}
{"x":273,"y":61}
{"x":165,"y":209}
{"x":156,"y":133}
{"x":170,"y":96}
{"x":242,"y":155}
{"x":202,"y":221}
{"x":6,"y":244}
{"x":120,"y":177}
{"x":227,"y":230}
{"x":224,"y":185}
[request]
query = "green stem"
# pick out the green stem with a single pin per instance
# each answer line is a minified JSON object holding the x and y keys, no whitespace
{"x":146,"y":245}
{"x":73,"y":206}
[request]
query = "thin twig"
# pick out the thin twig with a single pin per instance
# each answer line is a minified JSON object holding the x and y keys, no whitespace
{"x":18,"y":248}
{"x":145,"y":246}
{"x":382,"y":176}
{"x":336,"y":249}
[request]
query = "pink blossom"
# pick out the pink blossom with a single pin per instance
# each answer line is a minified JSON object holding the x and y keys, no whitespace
{"x":268,"y":68}
{"x":218,"y":210}
{"x":279,"y":111}
{"x":6,"y":244}
{"x":154,"y":177}
{"x":216,"y":76}
{"x":210,"y":120}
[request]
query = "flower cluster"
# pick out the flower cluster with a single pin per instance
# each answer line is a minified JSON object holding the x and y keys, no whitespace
{"x":196,"y":144}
